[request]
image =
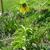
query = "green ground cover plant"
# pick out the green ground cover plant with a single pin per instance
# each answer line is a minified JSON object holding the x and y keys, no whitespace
{"x":26,"y":30}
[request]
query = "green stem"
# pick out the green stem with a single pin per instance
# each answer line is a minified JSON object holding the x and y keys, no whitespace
{"x":2,"y":6}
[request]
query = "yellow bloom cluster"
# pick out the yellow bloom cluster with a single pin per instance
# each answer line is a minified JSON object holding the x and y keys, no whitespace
{"x":24,"y":9}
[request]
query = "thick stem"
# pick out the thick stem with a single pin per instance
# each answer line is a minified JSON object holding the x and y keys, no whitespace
{"x":2,"y":6}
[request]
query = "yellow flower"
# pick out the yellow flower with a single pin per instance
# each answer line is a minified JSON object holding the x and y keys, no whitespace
{"x":24,"y":9}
